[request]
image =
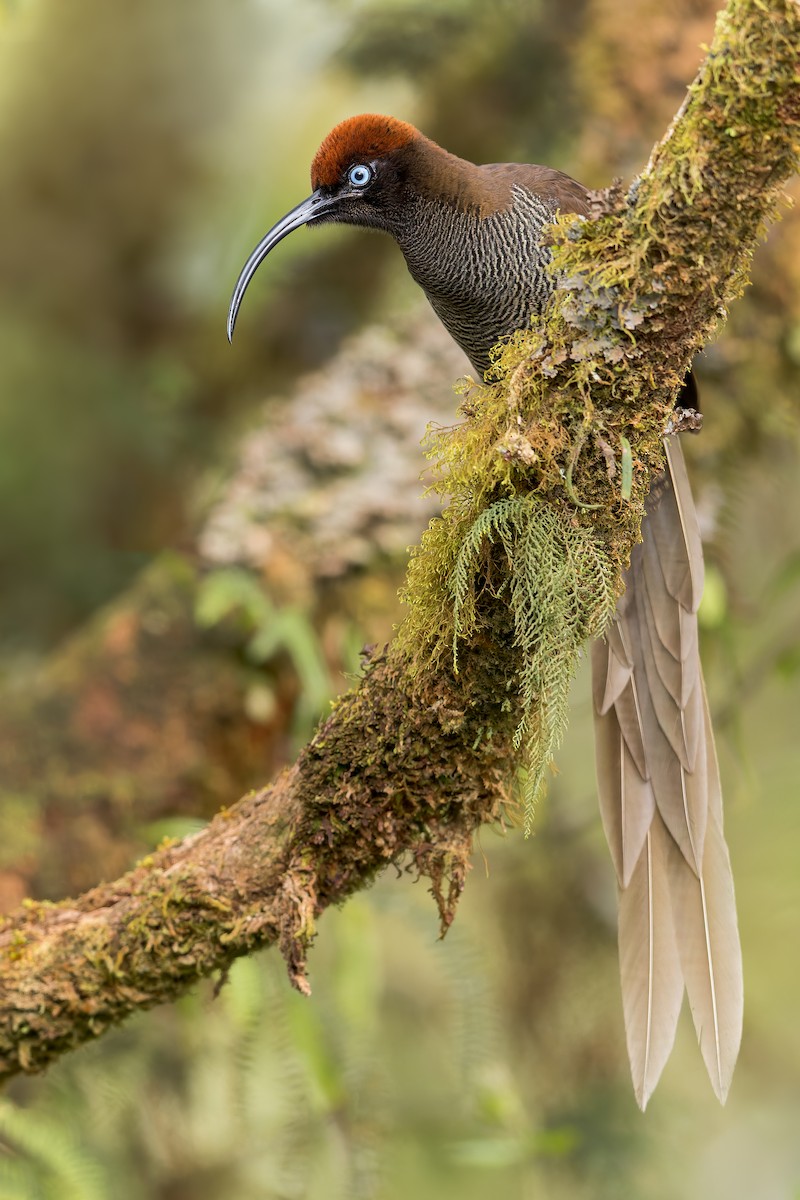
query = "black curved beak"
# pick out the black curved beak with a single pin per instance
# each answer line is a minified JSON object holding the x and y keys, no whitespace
{"x":315,"y":206}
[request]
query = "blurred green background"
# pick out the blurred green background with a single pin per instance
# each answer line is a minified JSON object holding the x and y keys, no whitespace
{"x":143,"y":151}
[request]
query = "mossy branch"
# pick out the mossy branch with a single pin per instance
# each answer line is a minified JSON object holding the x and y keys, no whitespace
{"x":394,"y":771}
{"x":557,"y":457}
{"x":583,"y":400}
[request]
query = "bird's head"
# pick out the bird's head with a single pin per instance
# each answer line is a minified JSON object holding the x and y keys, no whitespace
{"x":360,"y":175}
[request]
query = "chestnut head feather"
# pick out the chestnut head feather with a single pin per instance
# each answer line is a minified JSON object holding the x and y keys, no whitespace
{"x":358,"y":140}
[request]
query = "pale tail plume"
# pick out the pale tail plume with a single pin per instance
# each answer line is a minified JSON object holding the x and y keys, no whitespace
{"x":660,"y":799}
{"x":711,"y":956}
{"x":650,"y":967}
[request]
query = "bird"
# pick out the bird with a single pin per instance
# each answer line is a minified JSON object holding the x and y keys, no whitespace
{"x":473,"y":238}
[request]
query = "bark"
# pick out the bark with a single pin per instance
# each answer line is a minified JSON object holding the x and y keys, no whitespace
{"x":411,"y":761}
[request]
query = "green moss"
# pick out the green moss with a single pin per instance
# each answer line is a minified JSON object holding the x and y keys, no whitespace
{"x":17,"y":946}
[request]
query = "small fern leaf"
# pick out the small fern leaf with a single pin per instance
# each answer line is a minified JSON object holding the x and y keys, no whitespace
{"x":561,"y":592}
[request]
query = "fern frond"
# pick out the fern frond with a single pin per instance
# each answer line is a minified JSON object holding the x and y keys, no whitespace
{"x":561,"y":592}
{"x":47,"y":1159}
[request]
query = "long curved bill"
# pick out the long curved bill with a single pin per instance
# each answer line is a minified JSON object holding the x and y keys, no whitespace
{"x":311,"y":208}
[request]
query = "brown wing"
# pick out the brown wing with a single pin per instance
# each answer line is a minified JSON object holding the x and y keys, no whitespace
{"x":570,"y":195}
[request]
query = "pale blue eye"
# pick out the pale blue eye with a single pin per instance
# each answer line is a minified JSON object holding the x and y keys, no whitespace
{"x":359,"y":175}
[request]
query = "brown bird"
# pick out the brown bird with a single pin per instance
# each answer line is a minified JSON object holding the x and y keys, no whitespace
{"x":472,"y":239}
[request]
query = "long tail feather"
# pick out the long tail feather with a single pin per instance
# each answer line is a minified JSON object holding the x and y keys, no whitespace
{"x":650,"y":966}
{"x":711,"y":956}
{"x":660,"y":800}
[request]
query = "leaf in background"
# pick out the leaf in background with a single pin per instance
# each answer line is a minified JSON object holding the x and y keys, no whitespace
{"x":224,"y":591}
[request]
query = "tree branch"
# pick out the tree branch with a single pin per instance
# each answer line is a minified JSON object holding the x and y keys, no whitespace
{"x":414,"y":759}
{"x":393,"y":770}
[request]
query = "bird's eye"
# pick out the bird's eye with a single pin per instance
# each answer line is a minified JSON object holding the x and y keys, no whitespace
{"x":359,"y":175}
